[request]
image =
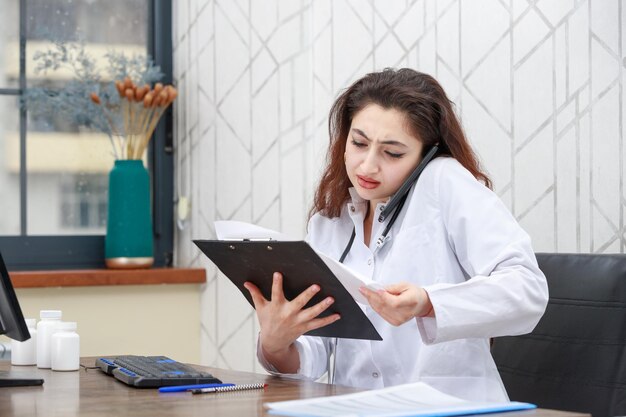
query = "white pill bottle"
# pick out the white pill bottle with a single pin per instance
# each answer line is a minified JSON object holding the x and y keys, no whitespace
{"x":45,"y":328}
{"x":25,"y":353}
{"x":65,"y":347}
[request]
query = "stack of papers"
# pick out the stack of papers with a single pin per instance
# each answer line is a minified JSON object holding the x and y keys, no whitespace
{"x":416,"y":399}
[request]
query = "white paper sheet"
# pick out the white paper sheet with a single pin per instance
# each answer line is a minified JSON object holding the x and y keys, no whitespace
{"x":351,"y":280}
{"x":416,"y":399}
{"x":234,"y":230}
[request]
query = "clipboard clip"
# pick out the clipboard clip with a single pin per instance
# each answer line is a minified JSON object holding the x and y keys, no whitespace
{"x":233,"y":247}
{"x":252,"y":239}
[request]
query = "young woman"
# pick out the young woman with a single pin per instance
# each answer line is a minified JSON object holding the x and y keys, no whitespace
{"x":456,"y":267}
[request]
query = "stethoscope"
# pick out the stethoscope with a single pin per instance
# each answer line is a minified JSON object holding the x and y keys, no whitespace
{"x":395,"y":205}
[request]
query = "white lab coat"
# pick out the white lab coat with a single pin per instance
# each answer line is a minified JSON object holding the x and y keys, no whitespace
{"x":458,"y":241}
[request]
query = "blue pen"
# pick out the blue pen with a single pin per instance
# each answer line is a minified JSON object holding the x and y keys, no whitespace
{"x":182,"y":388}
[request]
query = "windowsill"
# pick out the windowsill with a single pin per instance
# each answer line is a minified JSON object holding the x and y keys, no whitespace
{"x":93,"y":277}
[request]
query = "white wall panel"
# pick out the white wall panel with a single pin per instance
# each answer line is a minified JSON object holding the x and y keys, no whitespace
{"x":539,"y":85}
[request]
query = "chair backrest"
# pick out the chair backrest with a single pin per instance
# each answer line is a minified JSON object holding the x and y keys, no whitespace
{"x":575,"y":359}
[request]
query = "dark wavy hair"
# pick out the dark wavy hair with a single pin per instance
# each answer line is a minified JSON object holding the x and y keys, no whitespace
{"x":430,"y":116}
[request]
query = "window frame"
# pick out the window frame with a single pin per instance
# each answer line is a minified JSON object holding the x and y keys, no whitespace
{"x":34,"y":252}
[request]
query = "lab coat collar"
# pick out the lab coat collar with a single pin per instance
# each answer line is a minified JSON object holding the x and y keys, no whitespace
{"x":359,"y":202}
{"x":357,"y":209}
{"x":357,"y":206}
{"x":355,"y":197}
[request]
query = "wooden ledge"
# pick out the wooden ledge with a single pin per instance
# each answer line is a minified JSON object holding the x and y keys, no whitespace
{"x":92,"y":277}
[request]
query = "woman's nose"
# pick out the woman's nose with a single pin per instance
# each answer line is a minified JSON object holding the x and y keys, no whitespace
{"x":370,"y":163}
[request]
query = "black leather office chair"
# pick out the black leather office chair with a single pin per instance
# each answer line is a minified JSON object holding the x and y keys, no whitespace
{"x":575,"y":359}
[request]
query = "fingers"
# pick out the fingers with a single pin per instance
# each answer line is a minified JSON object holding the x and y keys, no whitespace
{"x":314,"y":311}
{"x":277,"y":287}
{"x":255,"y":293}
{"x":278,"y":295}
{"x":397,"y":288}
{"x":382,"y":302}
{"x":304,"y":297}
{"x":321,"y":322}
{"x":388,"y":299}
{"x":398,"y":308}
{"x":373,"y":297}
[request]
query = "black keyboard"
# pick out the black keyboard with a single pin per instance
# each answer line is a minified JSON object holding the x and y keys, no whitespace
{"x":153,"y":371}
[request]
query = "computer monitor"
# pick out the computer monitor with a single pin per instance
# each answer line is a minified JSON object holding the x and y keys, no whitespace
{"x":13,"y":325}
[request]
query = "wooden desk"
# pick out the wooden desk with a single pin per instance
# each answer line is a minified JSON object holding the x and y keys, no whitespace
{"x":92,"y":393}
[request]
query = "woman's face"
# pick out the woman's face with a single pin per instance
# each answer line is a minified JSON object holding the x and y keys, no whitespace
{"x":380,"y":152}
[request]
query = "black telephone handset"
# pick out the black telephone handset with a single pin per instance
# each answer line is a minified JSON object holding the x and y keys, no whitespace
{"x":400,"y":195}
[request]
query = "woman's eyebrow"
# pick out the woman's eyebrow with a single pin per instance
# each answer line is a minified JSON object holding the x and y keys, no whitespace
{"x":361,"y":133}
{"x":384,"y":142}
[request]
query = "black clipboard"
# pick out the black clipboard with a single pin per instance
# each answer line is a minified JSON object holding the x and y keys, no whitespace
{"x":256,"y":261}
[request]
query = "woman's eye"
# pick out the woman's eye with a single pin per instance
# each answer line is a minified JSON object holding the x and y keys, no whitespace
{"x":395,"y":155}
{"x":358,"y":144}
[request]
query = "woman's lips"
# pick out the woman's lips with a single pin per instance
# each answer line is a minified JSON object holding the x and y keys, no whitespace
{"x":367,"y":183}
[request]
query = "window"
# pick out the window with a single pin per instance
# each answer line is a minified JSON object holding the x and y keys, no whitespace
{"x":53,"y":174}
{"x":83,"y":204}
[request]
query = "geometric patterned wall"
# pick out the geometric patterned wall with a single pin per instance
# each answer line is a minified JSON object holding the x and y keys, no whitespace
{"x":539,"y":86}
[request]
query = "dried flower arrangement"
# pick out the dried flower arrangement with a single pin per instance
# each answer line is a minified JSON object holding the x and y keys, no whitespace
{"x":116,"y":99}
{"x":141,"y":108}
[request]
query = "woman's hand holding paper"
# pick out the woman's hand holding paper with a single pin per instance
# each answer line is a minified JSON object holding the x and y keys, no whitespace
{"x":399,"y":303}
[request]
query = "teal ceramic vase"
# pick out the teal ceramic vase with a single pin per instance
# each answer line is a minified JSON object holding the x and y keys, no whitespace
{"x":128,"y":242}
